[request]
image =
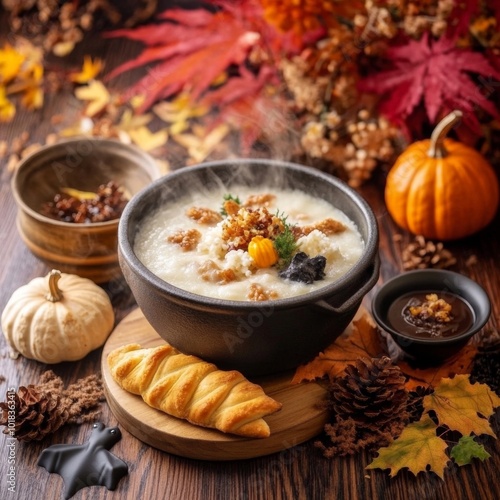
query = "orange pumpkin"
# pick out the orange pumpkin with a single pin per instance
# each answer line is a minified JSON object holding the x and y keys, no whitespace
{"x":440,"y":188}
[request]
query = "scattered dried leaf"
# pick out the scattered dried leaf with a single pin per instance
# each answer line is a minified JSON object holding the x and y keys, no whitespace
{"x":461,"y":363}
{"x":97,"y":96}
{"x":130,"y":121}
{"x":148,"y":140}
{"x":200,"y":144}
{"x":462,"y":406}
{"x":21,"y":73}
{"x":11,"y":62}
{"x":417,"y":448}
{"x":90,"y":69}
{"x":178,"y":112}
{"x":466,"y":450}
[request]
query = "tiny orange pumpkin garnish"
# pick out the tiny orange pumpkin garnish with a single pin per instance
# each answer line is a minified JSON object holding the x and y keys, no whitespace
{"x":262,"y":251}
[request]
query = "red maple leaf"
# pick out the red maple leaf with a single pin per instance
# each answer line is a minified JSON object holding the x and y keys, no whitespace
{"x":437,"y":74}
{"x":461,"y":16}
{"x":190,"y":49}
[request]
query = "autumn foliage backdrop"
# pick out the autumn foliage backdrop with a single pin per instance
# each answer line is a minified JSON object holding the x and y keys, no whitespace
{"x":339,"y":85}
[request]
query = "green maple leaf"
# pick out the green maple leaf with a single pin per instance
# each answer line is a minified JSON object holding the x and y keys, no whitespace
{"x":417,"y":448}
{"x":467,"y":449}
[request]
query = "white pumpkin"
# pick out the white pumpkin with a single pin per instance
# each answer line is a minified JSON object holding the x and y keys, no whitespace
{"x":61,"y":317}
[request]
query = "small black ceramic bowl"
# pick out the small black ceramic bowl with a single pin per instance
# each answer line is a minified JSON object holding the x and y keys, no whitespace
{"x":431,"y":350}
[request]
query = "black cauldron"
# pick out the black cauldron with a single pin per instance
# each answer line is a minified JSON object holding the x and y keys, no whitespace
{"x":254,"y":338}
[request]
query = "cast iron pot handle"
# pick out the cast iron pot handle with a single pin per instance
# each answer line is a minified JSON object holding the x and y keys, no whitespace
{"x":358,"y":295}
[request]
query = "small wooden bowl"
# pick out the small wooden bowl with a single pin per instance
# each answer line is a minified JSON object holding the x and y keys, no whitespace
{"x":88,"y":250}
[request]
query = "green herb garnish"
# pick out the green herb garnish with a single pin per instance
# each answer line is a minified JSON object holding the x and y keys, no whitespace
{"x":285,"y":243}
{"x":228,"y":197}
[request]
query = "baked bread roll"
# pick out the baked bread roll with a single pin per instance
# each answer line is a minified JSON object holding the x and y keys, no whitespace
{"x":187,"y":387}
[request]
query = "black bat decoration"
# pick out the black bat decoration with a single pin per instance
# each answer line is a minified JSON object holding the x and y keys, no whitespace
{"x":89,"y":464}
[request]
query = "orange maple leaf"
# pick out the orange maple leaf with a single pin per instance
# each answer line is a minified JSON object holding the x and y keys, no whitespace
{"x":431,"y":376}
{"x":360,"y":340}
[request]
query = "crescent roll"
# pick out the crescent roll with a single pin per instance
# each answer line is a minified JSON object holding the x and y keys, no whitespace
{"x":192,"y":389}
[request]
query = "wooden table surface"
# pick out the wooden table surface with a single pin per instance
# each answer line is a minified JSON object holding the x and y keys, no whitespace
{"x":298,"y":472}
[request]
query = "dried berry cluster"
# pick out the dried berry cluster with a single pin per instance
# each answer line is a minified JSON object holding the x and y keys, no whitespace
{"x":108,"y":204}
{"x":339,"y":129}
{"x":356,"y":146}
{"x":383,"y":19}
{"x":55,"y":25}
{"x":337,"y":132}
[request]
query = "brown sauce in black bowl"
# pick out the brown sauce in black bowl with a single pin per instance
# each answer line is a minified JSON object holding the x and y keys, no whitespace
{"x":413,"y":314}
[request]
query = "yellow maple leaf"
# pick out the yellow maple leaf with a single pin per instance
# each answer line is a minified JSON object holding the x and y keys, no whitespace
{"x":90,"y":69}
{"x":148,"y":140}
{"x":97,"y":96}
{"x":417,"y":448}
{"x":7,"y":109}
{"x":178,"y":112}
{"x":29,"y":84}
{"x":30,"y":76}
{"x":11,"y":62}
{"x":458,"y":404}
{"x":21,"y":69}
{"x":200,"y":144}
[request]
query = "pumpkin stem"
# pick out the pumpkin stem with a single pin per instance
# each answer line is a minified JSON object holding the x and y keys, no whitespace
{"x":55,"y":294}
{"x":436,"y":148}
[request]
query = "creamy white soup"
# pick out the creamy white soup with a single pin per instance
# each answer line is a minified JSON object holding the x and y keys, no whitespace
{"x":249,"y":244}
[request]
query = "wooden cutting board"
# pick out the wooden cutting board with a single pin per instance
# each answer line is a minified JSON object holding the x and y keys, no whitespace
{"x":300,"y":419}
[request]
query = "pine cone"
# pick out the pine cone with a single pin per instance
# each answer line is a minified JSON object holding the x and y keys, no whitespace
{"x":372,"y":393}
{"x":37,"y":413}
{"x":424,"y":254}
